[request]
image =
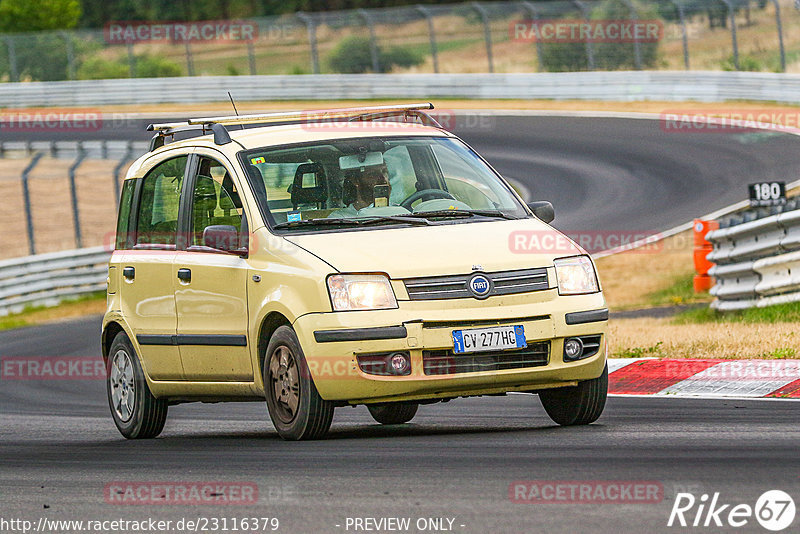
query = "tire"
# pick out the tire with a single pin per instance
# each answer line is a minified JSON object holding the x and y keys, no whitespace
{"x":136,"y":412}
{"x":394,"y":413}
{"x":578,"y":405}
{"x":294,"y":405}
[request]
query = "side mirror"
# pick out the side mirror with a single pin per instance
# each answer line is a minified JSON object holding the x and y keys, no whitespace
{"x":223,"y":237}
{"x":543,"y":210}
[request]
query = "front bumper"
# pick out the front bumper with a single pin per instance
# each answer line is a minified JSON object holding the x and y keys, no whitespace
{"x":331,"y":342}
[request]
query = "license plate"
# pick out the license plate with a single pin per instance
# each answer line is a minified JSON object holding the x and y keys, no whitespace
{"x":491,"y":338}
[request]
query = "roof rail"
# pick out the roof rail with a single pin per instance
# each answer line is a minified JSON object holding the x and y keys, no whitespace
{"x":221,"y":136}
{"x":298,"y":116}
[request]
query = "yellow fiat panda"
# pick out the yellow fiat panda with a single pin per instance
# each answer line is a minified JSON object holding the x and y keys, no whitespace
{"x":340,"y":257}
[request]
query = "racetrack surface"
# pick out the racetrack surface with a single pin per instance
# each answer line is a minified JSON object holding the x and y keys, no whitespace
{"x":59,"y":447}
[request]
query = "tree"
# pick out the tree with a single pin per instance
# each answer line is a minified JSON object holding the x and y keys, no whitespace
{"x":17,"y":16}
{"x":34,"y":52}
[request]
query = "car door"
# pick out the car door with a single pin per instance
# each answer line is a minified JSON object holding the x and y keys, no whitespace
{"x":147,"y":298}
{"x":211,"y":283}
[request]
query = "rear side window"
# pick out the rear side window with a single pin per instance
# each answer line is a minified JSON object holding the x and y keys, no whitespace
{"x":124,"y":239}
{"x":160,"y":199}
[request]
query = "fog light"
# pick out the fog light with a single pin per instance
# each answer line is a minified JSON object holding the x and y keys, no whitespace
{"x":573,"y":348}
{"x":399,"y":364}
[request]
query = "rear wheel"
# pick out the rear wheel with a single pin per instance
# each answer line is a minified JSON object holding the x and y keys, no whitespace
{"x":394,"y":413}
{"x":136,"y":412}
{"x":295,"y":407}
{"x":578,"y":405}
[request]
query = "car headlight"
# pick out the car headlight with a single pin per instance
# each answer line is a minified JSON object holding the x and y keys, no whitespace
{"x":361,"y":292}
{"x":576,"y":276}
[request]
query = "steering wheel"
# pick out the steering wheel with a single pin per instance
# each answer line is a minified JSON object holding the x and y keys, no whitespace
{"x":425,"y":194}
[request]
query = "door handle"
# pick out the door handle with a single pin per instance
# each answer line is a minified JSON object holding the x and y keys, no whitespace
{"x":129,"y":273}
{"x":185,"y":275}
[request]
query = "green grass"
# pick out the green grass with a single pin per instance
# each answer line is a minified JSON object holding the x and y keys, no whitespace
{"x":779,"y":354}
{"x":36,"y":314}
{"x":640,"y":352}
{"x":780,"y":313}
{"x":680,"y":292}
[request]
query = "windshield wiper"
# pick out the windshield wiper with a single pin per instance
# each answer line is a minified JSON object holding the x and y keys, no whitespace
{"x":462,"y":213}
{"x":355,"y":221}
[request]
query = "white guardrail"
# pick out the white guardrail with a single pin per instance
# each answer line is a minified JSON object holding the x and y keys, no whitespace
{"x":46,"y":279}
{"x":757,"y":263}
{"x":706,"y":86}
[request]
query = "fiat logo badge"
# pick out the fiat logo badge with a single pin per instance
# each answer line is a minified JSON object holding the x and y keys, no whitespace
{"x":480,"y":286}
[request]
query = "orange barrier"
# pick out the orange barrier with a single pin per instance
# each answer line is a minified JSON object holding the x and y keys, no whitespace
{"x":702,"y":281}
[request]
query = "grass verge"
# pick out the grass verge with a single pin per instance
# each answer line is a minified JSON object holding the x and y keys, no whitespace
{"x":780,"y":313}
{"x":92,"y":304}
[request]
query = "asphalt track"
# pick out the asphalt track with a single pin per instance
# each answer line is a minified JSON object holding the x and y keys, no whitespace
{"x":59,"y":447}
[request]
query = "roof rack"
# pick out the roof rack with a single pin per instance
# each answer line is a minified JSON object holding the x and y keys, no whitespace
{"x":216,"y":125}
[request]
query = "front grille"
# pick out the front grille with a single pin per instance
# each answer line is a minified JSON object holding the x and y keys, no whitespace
{"x":446,"y":362}
{"x":455,"y":287}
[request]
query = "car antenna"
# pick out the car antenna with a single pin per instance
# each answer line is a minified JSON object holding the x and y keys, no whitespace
{"x":234,"y":108}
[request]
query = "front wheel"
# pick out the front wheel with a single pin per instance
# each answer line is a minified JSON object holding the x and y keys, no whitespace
{"x":295,"y":407}
{"x":395,"y":413}
{"x":136,"y":412}
{"x":577,"y":405}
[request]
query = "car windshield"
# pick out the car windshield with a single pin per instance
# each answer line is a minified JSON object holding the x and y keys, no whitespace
{"x":386,"y":180}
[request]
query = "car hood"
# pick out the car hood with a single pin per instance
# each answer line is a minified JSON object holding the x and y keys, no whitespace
{"x":405,"y":252}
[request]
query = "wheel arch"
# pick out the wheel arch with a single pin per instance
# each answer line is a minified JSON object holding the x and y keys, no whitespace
{"x":110,"y":331}
{"x":272,"y":321}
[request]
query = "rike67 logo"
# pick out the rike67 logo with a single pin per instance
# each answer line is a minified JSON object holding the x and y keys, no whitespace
{"x":774,"y":510}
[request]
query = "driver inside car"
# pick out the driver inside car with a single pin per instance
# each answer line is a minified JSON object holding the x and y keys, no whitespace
{"x":362,"y":189}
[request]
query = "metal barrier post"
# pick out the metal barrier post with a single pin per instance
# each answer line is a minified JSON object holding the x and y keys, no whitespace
{"x":73,"y":190}
{"x":589,"y":46}
{"x":12,"y":59}
{"x":251,"y":58}
{"x":131,"y":62}
{"x":637,"y":50}
{"x":312,"y":39}
{"x":432,"y":35}
{"x":732,"y":16}
{"x":487,"y":32}
{"x":679,"y":8}
{"x":70,"y":54}
{"x":27,"y":198}
{"x":780,"y":34}
{"x":373,"y":45}
{"x":534,"y":12}
{"x":189,"y":59}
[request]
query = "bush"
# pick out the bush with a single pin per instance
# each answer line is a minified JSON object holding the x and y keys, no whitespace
{"x":353,"y":55}
{"x":746,"y":63}
{"x":97,"y":68}
{"x":156,"y":67}
{"x":568,"y":57}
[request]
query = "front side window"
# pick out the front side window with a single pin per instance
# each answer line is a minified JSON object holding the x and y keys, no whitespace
{"x":351,"y":179}
{"x":160,"y":199}
{"x":215,"y":201}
